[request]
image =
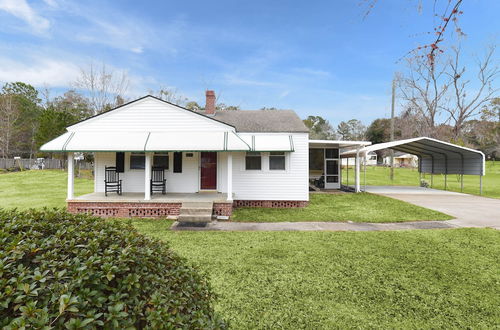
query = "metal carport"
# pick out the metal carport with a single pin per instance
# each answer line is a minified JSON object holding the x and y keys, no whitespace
{"x":435,"y":157}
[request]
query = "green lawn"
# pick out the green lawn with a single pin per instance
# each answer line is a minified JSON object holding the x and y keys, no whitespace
{"x":48,"y":189}
{"x":29,"y":189}
{"x":317,"y":280}
{"x":380,"y":176}
{"x":361,"y":207}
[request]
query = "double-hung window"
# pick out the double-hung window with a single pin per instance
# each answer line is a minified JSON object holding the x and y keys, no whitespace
{"x":160,"y":160}
{"x":253,"y":161}
{"x":277,"y":160}
{"x":137,"y":161}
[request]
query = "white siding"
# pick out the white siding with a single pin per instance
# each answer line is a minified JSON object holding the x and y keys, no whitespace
{"x":291,"y":184}
{"x":149,"y":115}
{"x":133,"y":180}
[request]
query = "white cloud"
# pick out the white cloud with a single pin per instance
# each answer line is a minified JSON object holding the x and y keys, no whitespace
{"x":137,"y":50}
{"x":39,"y":71}
{"x":21,"y":9}
{"x":312,"y":72}
{"x":51,"y":3}
{"x":284,"y":94}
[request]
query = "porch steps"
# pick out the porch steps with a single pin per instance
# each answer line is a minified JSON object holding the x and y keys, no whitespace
{"x":196,"y":212}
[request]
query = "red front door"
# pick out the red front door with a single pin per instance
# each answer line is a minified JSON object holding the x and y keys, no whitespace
{"x":208,"y":170}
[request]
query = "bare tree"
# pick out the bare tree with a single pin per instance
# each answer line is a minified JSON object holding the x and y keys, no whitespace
{"x":9,"y":114}
{"x":171,"y":95}
{"x":467,"y":101}
{"x":424,"y":88}
{"x":105,"y":88}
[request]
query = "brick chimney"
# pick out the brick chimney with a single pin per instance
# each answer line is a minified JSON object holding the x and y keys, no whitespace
{"x":210,"y":103}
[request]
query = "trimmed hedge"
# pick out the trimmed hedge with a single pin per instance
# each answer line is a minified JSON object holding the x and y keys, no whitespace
{"x":77,"y":271}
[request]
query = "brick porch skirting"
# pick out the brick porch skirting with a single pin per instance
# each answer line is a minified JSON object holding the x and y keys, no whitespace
{"x":269,"y":204}
{"x":125,"y":209}
{"x":163,"y":210}
{"x":223,"y":209}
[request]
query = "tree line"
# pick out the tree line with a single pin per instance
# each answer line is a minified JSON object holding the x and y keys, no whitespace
{"x":482,"y":133}
{"x":440,"y":98}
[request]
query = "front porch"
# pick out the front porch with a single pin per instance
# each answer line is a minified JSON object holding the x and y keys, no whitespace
{"x":133,"y":204}
{"x":131,"y":197}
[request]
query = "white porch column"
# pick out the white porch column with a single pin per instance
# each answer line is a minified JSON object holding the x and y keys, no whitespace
{"x":229,"y":177}
{"x":71,"y":175}
{"x":356,"y":177}
{"x":147,"y":175}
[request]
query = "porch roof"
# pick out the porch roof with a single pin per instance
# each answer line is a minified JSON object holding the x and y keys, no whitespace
{"x":108,"y":141}
{"x":88,"y":141}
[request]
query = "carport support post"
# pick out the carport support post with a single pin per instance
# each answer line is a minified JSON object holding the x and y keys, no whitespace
{"x":347,"y":184}
{"x":147,"y":176}
{"x":364,"y":174}
{"x":71,"y":175}
{"x":445,"y":172}
{"x":480,"y":184}
{"x":356,"y":183}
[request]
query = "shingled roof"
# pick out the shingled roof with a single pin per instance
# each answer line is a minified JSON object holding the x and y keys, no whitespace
{"x":262,"y":120}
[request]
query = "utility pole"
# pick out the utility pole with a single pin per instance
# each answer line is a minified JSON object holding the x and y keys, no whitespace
{"x":392,"y":125}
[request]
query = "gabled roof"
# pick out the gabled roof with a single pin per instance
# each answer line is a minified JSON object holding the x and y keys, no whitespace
{"x":128,"y":104}
{"x":270,"y":121}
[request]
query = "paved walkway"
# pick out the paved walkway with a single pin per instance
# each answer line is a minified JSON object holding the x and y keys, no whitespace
{"x":468,"y":210}
{"x":313,"y":226}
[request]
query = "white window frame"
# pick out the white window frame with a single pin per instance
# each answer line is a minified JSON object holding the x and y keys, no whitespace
{"x":284,"y":155}
{"x":130,"y":161}
{"x":245,"y":160}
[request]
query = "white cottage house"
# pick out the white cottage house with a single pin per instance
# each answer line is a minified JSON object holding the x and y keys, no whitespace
{"x":157,"y":159}
{"x":240,"y":158}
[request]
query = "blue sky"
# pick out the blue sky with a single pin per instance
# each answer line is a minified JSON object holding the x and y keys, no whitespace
{"x":315,"y":57}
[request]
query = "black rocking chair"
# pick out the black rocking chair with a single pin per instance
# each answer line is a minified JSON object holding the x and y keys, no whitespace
{"x":158,"y":181}
{"x":112,"y":182}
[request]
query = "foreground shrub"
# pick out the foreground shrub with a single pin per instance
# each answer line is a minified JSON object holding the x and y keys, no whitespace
{"x":75,"y":271}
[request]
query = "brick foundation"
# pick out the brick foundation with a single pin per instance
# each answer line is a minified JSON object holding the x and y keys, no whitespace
{"x":163,"y":210}
{"x":269,"y":204}
{"x":126,"y":209}
{"x":223,"y":209}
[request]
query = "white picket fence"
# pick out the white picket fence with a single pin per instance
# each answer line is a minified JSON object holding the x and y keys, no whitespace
{"x":48,"y":163}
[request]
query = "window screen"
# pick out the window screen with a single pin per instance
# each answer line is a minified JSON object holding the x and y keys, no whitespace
{"x":277,"y":161}
{"x":332,"y":153}
{"x":177,"y":162}
{"x":137,"y":161}
{"x":253,"y":161}
{"x":316,"y":159}
{"x":160,"y":160}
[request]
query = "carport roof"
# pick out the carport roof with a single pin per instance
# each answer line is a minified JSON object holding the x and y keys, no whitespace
{"x":435,"y":156}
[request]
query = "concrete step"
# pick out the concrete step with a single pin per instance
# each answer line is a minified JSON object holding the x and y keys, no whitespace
{"x":195,"y":218}
{"x":196,"y":211}
{"x":188,"y":205}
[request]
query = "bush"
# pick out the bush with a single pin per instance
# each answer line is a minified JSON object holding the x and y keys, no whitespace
{"x":78,"y":271}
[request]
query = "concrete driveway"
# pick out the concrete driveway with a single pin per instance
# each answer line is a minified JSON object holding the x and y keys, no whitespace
{"x":468,"y":210}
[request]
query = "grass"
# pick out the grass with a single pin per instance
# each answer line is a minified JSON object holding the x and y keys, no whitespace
{"x":48,"y":189}
{"x":361,"y":207}
{"x":45,"y":188}
{"x":291,"y":280}
{"x":380,"y":176}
